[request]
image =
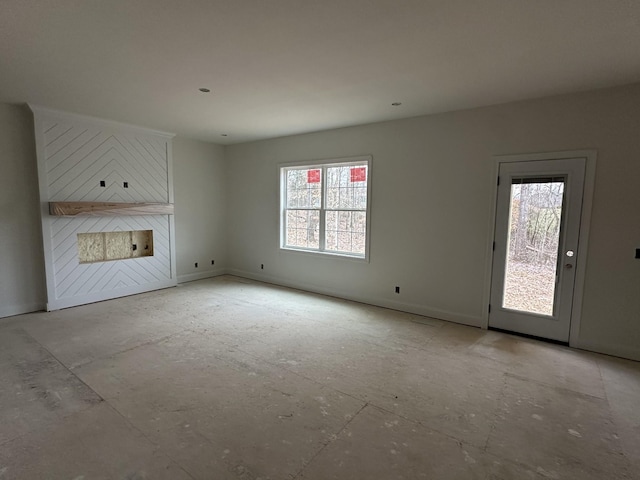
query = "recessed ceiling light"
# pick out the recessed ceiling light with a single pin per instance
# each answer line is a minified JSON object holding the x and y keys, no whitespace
{"x":396,"y":104}
{"x":204,"y":90}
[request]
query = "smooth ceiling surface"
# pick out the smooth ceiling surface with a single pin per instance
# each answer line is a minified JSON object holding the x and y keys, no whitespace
{"x":280,"y":67}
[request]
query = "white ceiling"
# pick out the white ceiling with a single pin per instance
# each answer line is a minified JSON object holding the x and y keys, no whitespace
{"x":280,"y":67}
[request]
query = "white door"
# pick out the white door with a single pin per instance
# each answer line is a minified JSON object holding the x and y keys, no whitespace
{"x":538,"y":213}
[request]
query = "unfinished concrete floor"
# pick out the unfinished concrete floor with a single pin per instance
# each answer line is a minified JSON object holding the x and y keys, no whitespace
{"x":232,"y":379}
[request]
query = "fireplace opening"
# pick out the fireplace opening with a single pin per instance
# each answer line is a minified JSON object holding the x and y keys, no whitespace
{"x":108,"y":246}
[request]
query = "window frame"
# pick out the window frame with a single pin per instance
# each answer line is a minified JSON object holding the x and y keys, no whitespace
{"x":323,"y":165}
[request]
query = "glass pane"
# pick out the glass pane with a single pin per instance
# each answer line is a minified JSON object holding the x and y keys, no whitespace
{"x":303,"y":229}
{"x":304,"y":188}
{"x":346,"y":232}
{"x":534,"y":233}
{"x":347,"y":187}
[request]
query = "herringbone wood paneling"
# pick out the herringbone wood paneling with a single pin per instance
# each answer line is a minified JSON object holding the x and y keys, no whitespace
{"x":78,"y":155}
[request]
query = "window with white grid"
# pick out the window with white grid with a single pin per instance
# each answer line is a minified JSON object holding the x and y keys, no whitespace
{"x":325,"y":207}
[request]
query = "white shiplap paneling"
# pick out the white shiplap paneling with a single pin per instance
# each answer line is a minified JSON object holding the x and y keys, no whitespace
{"x":75,"y":154}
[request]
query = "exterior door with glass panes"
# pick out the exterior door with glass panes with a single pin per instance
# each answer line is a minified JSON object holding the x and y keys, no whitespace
{"x":538,"y":213}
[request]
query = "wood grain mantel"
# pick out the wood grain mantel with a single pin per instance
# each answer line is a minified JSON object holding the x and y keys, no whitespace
{"x":103,"y":209}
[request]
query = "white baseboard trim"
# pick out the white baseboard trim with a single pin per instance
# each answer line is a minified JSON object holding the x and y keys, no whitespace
{"x":379,"y":302}
{"x":192,"y":277}
{"x":614,"y":350}
{"x":13,"y":310}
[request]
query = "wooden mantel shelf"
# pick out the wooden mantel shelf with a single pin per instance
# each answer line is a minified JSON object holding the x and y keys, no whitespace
{"x":101,"y":209}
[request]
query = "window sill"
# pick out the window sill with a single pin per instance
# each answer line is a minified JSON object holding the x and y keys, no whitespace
{"x":326,"y":254}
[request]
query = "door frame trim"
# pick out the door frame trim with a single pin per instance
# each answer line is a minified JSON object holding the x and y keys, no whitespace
{"x":583,"y":238}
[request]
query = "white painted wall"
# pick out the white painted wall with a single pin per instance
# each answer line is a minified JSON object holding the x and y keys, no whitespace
{"x":22,"y":286}
{"x":200,"y":208}
{"x":431,"y":207}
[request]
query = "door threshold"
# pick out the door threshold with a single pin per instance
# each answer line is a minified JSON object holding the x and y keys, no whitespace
{"x":532,"y":337}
